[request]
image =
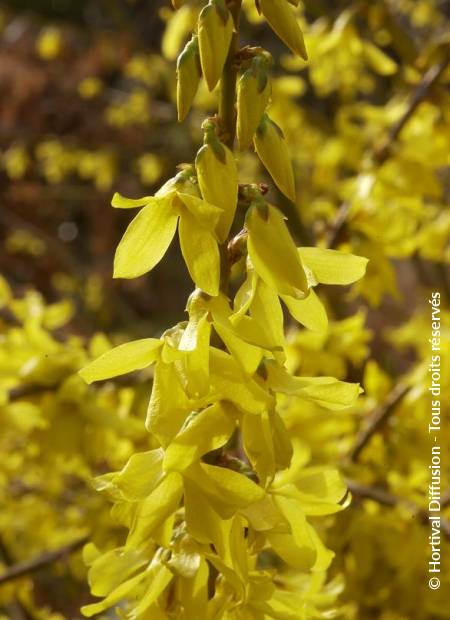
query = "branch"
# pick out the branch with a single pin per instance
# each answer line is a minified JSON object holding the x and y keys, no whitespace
{"x":16,"y":609}
{"x":47,"y":558}
{"x":378,"y":418}
{"x":335,"y":231}
{"x":419,"y":94}
{"x":383,"y":152}
{"x":385,"y":498}
{"x":445,"y":499}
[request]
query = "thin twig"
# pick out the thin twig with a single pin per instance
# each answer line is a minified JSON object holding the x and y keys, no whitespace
{"x":378,"y":418}
{"x":383,"y":152}
{"x":47,"y":558}
{"x":335,"y":231}
{"x":445,"y":499}
{"x":386,"y":498}
{"x":15,"y":608}
{"x":418,"y":95}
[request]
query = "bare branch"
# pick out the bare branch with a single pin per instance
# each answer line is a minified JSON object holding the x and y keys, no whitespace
{"x":418,"y":95}
{"x":445,"y":499}
{"x":383,"y":152}
{"x":385,"y":498}
{"x":31,"y":566}
{"x":378,"y":418}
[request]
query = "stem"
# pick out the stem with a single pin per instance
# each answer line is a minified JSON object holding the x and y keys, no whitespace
{"x":385,"y":498}
{"x":227,"y":103}
{"x":227,"y":119}
{"x":383,"y":152}
{"x":50,"y":557}
{"x":379,"y":417}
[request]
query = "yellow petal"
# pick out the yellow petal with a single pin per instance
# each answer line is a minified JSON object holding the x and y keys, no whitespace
{"x":300,"y":551}
{"x":202,"y":521}
{"x":231,"y":383}
{"x":208,"y":430}
{"x":247,"y":355}
{"x":327,"y":392}
{"x":117,"y":595}
{"x":146,"y":239}
{"x":193,"y":368}
{"x":201,"y":254}
{"x":380,"y":62}
{"x":194,"y":593}
{"x":227,"y":489}
{"x":319,"y":490}
{"x":155,"y":509}
{"x":332,"y":266}
{"x":125,"y":358}
{"x":204,"y":212}
{"x":141,"y":474}
{"x":120,"y":202}
{"x":310,"y":311}
{"x":112,"y":568}
{"x":258,"y":445}
{"x":273,"y":252}
{"x":267,"y":312}
{"x":168,"y":404}
{"x":161,"y":577}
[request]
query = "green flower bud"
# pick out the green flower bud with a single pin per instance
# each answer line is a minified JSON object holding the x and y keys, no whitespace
{"x":284,"y":23}
{"x":274,"y":154}
{"x":215,"y":31}
{"x":189,"y":73}
{"x":218,"y":178}
{"x":253,"y":94}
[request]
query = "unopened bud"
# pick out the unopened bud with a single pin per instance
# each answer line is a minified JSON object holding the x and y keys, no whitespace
{"x":253,"y":94}
{"x":218,"y":179}
{"x":284,"y":23}
{"x":188,"y":77}
{"x":274,"y":154}
{"x":215,"y":31}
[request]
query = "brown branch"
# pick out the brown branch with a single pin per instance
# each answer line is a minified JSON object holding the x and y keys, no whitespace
{"x":445,"y":499}
{"x":29,"y":390}
{"x":334,"y":234}
{"x":383,"y":152}
{"x":15,"y":608}
{"x":50,"y":557}
{"x":386,"y":498}
{"x":378,"y":418}
{"x":419,"y":94}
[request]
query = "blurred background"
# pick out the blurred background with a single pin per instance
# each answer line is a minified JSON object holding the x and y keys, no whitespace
{"x":87,"y":91}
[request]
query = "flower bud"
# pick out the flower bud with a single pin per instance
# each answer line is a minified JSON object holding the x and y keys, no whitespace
{"x":253,"y":94}
{"x":274,"y":154}
{"x":188,"y":77}
{"x":218,"y":178}
{"x":215,"y":30}
{"x":284,"y":23}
